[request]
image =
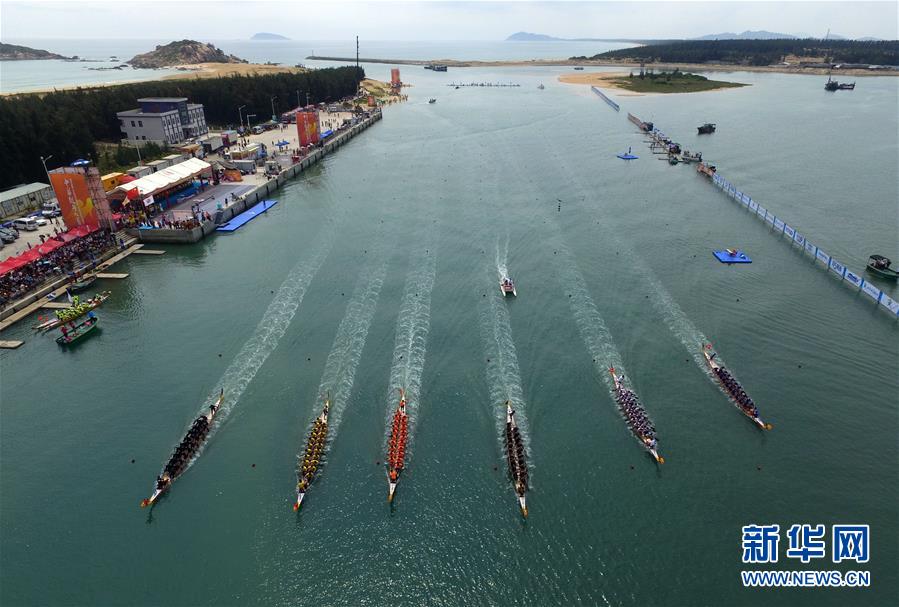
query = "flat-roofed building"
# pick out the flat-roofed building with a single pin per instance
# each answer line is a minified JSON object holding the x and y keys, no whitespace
{"x":163,"y":120}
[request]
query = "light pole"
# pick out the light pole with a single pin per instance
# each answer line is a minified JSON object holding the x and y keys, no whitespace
{"x":248,"y":120}
{"x":273,"y":106}
{"x":140,"y":161}
{"x":44,"y":162}
{"x":240,"y":113}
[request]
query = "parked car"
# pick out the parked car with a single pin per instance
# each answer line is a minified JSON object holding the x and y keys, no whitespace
{"x":7,"y":236}
{"x":25,"y":223}
{"x":40,"y":220}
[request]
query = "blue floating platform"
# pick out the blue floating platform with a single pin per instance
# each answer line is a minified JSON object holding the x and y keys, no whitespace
{"x":738,"y":256}
{"x":247,"y":216}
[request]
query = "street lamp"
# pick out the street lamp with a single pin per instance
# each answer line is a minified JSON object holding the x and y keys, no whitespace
{"x":248,"y":120}
{"x":44,"y":162}
{"x":240,"y":113}
{"x":273,"y":105}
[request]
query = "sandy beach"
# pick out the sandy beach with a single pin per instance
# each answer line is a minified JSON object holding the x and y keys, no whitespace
{"x":216,"y":70}
{"x":612,"y":80}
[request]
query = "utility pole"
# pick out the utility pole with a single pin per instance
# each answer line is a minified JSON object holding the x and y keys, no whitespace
{"x":44,"y":162}
{"x":273,"y":106}
{"x":240,"y":113}
{"x":299,"y":103}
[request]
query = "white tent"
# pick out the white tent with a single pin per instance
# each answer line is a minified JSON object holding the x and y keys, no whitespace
{"x":167,"y":178}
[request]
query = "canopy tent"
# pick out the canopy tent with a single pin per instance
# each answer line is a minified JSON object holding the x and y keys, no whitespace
{"x":166,"y":178}
{"x":35,"y":253}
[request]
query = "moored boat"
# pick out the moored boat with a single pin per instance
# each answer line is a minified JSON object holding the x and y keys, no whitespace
{"x":507,"y":287}
{"x":185,"y":451}
{"x":518,"y":466}
{"x":733,"y":388}
{"x":541,"y":87}
{"x":846,"y":86}
{"x":83,"y":283}
{"x":77,"y":310}
{"x":707,"y":129}
{"x":77,"y":332}
{"x":396,"y":446}
{"x":635,"y":415}
{"x":315,"y":447}
{"x":432,"y":100}
{"x":880,"y":265}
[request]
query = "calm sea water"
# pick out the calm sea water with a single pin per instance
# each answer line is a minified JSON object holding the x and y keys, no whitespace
{"x":16,"y":76}
{"x":380,"y":268}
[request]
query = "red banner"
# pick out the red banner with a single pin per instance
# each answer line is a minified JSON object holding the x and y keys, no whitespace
{"x":74,"y":199}
{"x":395,"y":76}
{"x":307,"y":126}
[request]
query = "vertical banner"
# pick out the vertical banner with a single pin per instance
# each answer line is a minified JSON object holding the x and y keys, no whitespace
{"x":395,"y":76}
{"x":74,"y":200}
{"x":307,"y":127}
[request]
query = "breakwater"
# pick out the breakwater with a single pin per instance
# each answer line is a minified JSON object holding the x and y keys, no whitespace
{"x":781,"y":228}
{"x":603,"y":96}
{"x":257,"y":194}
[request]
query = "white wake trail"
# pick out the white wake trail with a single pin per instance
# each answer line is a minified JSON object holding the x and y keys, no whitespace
{"x":503,"y":375}
{"x":412,"y":327}
{"x":340,"y":368}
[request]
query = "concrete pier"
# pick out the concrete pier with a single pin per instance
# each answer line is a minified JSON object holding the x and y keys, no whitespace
{"x":261,"y":192}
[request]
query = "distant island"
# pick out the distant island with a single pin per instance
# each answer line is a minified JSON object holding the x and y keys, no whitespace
{"x":747,"y":35}
{"x":800,"y":53}
{"x":12,"y":52}
{"x":674,"y":81}
{"x":183,"y":52}
{"x":268,"y":36}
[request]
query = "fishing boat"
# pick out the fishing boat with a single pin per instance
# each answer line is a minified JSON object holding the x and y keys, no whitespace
{"x":733,"y":388}
{"x":707,"y":129}
{"x":880,"y":265}
{"x":186,"y":450}
{"x":78,"y":332}
{"x":846,"y":86}
{"x":83,"y":283}
{"x":396,"y":446}
{"x":507,"y":287}
{"x":831,"y":84}
{"x":315,"y":447}
{"x":635,"y":416}
{"x":518,"y":466}
{"x":77,"y":310}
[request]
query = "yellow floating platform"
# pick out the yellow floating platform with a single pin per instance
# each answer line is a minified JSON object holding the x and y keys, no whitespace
{"x":111,"y":275}
{"x":149,"y":252}
{"x":10,"y":344}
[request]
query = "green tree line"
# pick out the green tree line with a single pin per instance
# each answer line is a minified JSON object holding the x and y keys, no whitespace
{"x":760,"y":52}
{"x":67,"y":123}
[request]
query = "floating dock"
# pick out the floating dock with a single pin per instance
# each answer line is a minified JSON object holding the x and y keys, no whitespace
{"x":728,"y":258}
{"x":56,"y":305}
{"x":149,"y":252}
{"x":111,"y":275}
{"x":10,"y":344}
{"x":603,"y":96}
{"x":247,"y":216}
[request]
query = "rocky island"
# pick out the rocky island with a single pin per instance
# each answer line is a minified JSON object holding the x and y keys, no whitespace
{"x":13,"y":52}
{"x":183,"y":52}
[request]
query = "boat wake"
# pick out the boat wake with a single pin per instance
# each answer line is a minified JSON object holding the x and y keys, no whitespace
{"x":410,"y":346}
{"x":503,"y":375}
{"x":269,"y":331}
{"x":340,"y":368}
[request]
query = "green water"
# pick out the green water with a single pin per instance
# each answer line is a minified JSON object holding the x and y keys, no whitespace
{"x":379,"y":267}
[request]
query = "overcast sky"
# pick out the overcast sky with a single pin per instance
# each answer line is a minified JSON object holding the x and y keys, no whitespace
{"x":427,"y":20}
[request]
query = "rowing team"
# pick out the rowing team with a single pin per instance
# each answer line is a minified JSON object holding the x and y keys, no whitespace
{"x":186,"y":450}
{"x":518,"y":467}
{"x":636,"y":417}
{"x":737,"y":391}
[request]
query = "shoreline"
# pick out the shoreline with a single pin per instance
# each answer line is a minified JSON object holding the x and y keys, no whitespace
{"x":699,"y":67}
{"x":185,"y":72}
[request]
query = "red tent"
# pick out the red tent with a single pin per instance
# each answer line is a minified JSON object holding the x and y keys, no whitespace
{"x":126,"y":179}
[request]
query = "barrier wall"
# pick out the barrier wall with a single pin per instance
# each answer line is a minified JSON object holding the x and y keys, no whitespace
{"x":828,"y":263}
{"x":604,"y":98}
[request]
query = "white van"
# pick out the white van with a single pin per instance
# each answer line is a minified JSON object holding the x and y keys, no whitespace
{"x":25,"y":223}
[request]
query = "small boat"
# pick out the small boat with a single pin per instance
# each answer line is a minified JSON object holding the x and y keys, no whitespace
{"x":396,"y":446}
{"x":672,"y":159}
{"x":83,"y":284}
{"x":315,"y":447}
{"x":457,"y":88}
{"x":635,"y":416}
{"x":541,"y":87}
{"x":185,"y":451}
{"x":432,"y":100}
{"x":733,"y":388}
{"x":880,"y":265}
{"x":77,"y":310}
{"x":831,"y":85}
{"x":627,"y":155}
{"x":707,"y":129}
{"x":846,"y":86}
{"x":688,"y":157}
{"x":579,"y":68}
{"x":78,"y":332}
{"x":506,"y":287}
{"x":518,"y":466}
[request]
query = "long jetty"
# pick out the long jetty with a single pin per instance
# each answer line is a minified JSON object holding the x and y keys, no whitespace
{"x":258,"y":194}
{"x":603,"y":96}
